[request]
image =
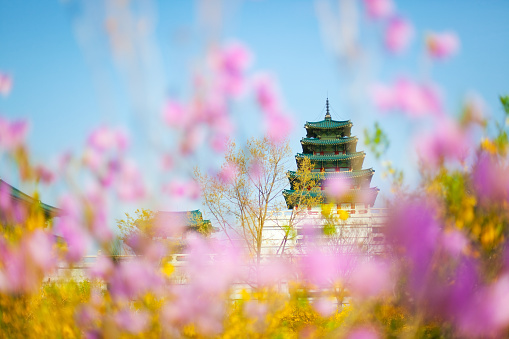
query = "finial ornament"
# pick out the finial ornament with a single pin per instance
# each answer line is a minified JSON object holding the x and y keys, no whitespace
{"x":327,"y":115}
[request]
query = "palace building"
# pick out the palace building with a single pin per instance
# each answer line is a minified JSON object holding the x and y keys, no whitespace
{"x":331,"y":149}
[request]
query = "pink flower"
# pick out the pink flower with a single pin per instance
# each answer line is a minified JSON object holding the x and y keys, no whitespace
{"x":228,"y":173}
{"x":325,"y":306}
{"x":219,"y":142}
{"x":102,"y":267}
{"x":180,"y":188}
{"x":409,"y":97}
{"x":12,"y":134}
{"x":454,"y":242}
{"x":371,"y":279}
{"x":40,"y":247}
{"x":336,"y":188}
{"x":379,"y":9}
{"x":278,"y":126}
{"x":442,"y":45}
{"x":319,"y":268}
{"x":446,"y":142}
{"x":44,"y":174}
{"x":132,"y":322}
{"x":133,"y":279}
{"x":174,"y":114}
{"x":130,"y":185}
{"x":167,"y":162}
{"x":398,"y":34}
{"x":266,"y":92}
{"x":490,"y":180}
{"x":105,"y":138}
{"x":234,"y":60}
{"x":5,"y":197}
{"x":5,"y":84}
{"x":363,"y":333}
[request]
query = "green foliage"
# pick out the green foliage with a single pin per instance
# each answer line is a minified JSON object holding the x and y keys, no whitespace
{"x":376,"y":140}
{"x":504,"y":100}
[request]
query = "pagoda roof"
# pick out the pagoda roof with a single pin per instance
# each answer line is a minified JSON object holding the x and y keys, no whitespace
{"x":328,"y":124}
{"x":331,"y":157}
{"x":17,"y":196}
{"x":330,"y":175}
{"x":338,"y":141}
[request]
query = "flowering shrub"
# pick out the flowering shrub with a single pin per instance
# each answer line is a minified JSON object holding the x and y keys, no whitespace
{"x":443,"y":272}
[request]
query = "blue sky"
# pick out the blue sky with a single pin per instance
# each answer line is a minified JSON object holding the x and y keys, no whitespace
{"x":66,"y":82}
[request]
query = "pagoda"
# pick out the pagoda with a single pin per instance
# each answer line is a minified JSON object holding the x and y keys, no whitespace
{"x":332,"y":151}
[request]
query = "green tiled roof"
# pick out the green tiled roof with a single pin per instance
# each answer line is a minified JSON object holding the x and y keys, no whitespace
{"x":331,"y":157}
{"x":18,"y":196}
{"x":315,"y":141}
{"x":327,"y":124}
{"x":346,"y":174}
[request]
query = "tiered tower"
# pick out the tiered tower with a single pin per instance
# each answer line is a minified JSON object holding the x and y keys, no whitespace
{"x":332,"y":151}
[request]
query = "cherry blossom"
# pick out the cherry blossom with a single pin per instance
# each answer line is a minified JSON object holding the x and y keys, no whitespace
{"x":379,"y":9}
{"x":398,"y":35}
{"x":442,"y":45}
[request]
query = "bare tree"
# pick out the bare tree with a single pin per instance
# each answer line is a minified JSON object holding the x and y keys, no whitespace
{"x":247,"y":190}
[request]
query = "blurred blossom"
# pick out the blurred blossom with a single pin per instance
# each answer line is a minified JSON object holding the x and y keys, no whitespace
{"x":325,"y":306}
{"x":134,"y":278}
{"x":5,"y":197}
{"x":319,"y":268}
{"x":102,"y":268}
{"x":490,"y":179}
{"x":105,"y":138}
{"x":379,"y":9}
{"x":180,"y":188}
{"x":167,"y":162}
{"x":409,"y":97}
{"x":255,"y":309}
{"x":266,"y":92}
{"x":174,"y":114}
{"x":233,"y":60}
{"x":228,"y":173}
{"x":446,"y":142}
{"x":336,"y":188}
{"x":413,"y":232}
{"x":442,"y":45}
{"x":171,"y":225}
{"x":398,"y":34}
{"x":70,"y":226}
{"x":474,"y":109}
{"x":131,"y":321}
{"x":44,"y":174}
{"x":130,"y":185}
{"x":40,"y":247}
{"x":278,"y":126}
{"x":219,"y":142}
{"x":363,"y":333}
{"x":454,"y":242}
{"x":256,"y":170}
{"x":371,"y":279}
{"x":273,"y":271}
{"x":97,"y":215}
{"x":5,"y":84}
{"x":12,"y":133}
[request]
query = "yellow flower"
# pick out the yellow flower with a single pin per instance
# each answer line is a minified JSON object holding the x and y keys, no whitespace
{"x":488,"y":146}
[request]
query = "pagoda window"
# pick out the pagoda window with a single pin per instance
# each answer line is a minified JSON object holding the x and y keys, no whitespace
{"x":344,"y":169}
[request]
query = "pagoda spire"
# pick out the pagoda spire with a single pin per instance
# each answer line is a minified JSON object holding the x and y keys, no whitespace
{"x":327,"y":115}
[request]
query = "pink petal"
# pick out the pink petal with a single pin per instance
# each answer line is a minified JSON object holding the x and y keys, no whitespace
{"x":5,"y":84}
{"x":379,"y":9}
{"x":442,"y":45}
{"x":398,"y":34}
